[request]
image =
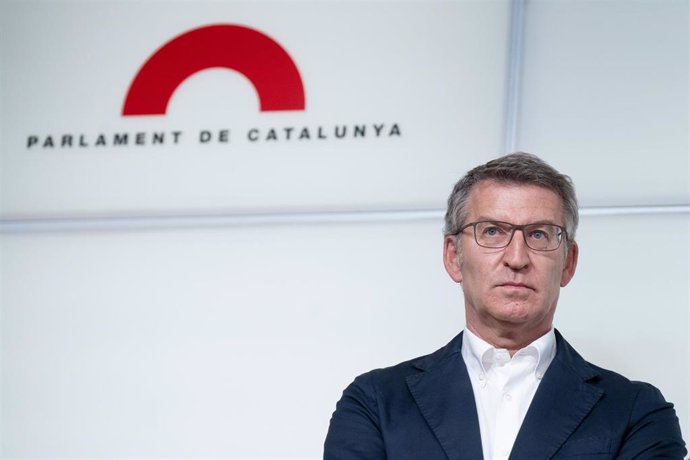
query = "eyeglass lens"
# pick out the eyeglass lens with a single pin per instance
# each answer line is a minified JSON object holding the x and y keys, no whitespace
{"x":540,"y":237}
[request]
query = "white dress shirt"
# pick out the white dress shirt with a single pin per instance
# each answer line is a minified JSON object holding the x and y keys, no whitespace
{"x":504,"y":387}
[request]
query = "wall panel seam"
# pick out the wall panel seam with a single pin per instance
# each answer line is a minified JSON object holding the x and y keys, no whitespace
{"x":177,"y":221}
{"x":514,"y":74}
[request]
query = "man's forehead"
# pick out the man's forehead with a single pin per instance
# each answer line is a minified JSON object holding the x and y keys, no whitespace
{"x":492,"y":195}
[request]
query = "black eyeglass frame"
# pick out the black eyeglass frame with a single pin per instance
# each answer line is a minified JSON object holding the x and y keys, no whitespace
{"x":561,"y":235}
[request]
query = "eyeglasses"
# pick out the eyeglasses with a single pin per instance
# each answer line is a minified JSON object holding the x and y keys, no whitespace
{"x":496,"y":235}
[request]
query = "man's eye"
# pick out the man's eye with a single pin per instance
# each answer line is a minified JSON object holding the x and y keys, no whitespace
{"x":493,"y":231}
{"x":539,"y":235}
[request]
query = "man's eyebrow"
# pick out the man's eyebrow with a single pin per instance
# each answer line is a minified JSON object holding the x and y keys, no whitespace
{"x":484,"y":218}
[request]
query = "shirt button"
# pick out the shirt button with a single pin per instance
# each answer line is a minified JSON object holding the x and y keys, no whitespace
{"x":540,"y":375}
{"x":507,"y":396}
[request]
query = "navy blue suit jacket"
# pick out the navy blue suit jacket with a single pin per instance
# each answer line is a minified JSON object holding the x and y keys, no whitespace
{"x":425,"y":409}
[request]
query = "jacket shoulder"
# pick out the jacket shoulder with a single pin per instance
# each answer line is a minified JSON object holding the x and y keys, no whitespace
{"x":369,"y":405}
{"x":647,"y":424}
{"x":398,"y":373}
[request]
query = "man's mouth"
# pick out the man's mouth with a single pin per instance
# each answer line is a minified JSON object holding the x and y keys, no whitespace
{"x":514,"y":285}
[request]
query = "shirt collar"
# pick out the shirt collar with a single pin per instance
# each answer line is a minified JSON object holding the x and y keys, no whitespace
{"x":485,"y":355}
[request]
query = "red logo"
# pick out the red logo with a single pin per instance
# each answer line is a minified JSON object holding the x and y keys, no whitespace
{"x":256,"y":56}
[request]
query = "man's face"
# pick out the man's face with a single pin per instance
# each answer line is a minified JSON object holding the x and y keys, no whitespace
{"x":513,"y":288}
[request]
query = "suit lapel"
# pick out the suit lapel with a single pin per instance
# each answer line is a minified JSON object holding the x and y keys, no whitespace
{"x":444,"y":395}
{"x":562,"y":401}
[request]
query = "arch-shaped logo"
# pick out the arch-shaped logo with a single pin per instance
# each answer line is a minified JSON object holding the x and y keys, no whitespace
{"x":261,"y":59}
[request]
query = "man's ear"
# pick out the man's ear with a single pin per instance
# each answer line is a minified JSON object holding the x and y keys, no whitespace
{"x":451,"y":260}
{"x":570,"y":263}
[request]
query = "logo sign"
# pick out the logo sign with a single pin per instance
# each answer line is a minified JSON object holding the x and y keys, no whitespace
{"x":256,"y":56}
{"x":263,"y":61}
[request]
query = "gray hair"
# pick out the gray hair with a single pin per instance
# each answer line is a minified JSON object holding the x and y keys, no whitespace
{"x":516,"y":168}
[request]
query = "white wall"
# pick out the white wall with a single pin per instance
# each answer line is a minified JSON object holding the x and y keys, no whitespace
{"x":214,"y":300}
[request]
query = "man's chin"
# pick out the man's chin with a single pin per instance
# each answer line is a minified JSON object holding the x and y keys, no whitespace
{"x":516,"y":314}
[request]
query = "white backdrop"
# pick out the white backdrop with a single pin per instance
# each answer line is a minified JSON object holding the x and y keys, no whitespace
{"x":213,"y":300}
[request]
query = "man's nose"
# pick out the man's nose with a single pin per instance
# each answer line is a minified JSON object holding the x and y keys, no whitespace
{"x":516,"y":254}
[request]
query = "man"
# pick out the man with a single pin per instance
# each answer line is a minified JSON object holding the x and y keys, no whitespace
{"x":509,"y":385}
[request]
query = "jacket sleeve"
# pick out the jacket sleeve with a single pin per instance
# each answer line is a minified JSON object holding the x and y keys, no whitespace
{"x":654,"y":429}
{"x":355,"y":431}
